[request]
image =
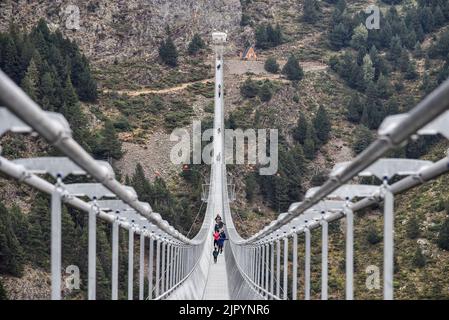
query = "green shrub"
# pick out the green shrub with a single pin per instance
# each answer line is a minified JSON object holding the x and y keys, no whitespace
{"x":413,"y":231}
{"x":265,"y":92}
{"x":443,"y":235}
{"x":372,"y":235}
{"x":419,"y":260}
{"x":271,"y":65}
{"x":249,"y":88}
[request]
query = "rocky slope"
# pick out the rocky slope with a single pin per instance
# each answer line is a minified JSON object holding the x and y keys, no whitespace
{"x":120,"y":30}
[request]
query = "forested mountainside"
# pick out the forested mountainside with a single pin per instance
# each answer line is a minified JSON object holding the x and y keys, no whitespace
{"x":136,"y":70}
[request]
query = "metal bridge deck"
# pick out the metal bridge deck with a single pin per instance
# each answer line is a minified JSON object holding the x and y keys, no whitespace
{"x":217,"y":280}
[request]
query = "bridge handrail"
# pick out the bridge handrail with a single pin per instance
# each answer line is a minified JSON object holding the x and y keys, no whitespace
{"x":427,"y":110}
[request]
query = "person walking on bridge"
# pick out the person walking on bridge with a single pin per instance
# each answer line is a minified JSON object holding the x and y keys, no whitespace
{"x":216,"y":238}
{"x":221,"y":241}
{"x":215,"y":254}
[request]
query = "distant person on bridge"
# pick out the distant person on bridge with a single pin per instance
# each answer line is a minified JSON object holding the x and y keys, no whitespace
{"x":215,"y":254}
{"x":217,"y":218}
{"x":221,"y":241}
{"x":216,"y":238}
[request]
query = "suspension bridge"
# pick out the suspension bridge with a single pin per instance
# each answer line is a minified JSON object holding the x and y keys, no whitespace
{"x":254,"y":268}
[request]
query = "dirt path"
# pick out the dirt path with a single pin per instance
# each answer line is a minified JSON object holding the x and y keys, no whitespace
{"x":143,"y":91}
{"x":235,"y":67}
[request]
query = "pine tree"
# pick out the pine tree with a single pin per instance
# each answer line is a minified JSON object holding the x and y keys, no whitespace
{"x":360,"y":37}
{"x":340,"y":36}
{"x":271,"y":65}
{"x":265,"y":92}
{"x":31,"y":80}
{"x":81,"y":77}
{"x":38,"y":245}
{"x":292,"y":69}
{"x":168,"y":52}
{"x":250,"y":186}
{"x":3,"y":295}
{"x":141,"y":184}
{"x":368,"y":70}
{"x":196,"y":44}
{"x":10,"y":59}
{"x":355,"y":109}
{"x":443,"y":235}
{"x":300,"y":131}
{"x":395,"y":51}
{"x":322,"y":125}
{"x":11,"y":252}
{"x":109,"y":146}
{"x":384,"y":87}
{"x":363,"y":138}
{"x":310,"y":11}
{"x":268,"y":37}
{"x":71,"y":109}
{"x":310,"y":142}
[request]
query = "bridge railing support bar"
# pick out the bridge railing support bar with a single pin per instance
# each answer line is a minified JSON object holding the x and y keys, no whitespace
{"x":115,"y":235}
{"x":307,"y":265}
{"x":56,"y":241}
{"x":164,"y":252}
{"x":158,"y":268}
{"x":278,"y":268}
{"x":285,"y":268}
{"x":167,"y":267}
{"x":349,"y":252}
{"x":130,"y":263}
{"x":141,"y":265}
{"x":267,"y":264}
{"x":388,"y":242}
{"x":295,"y":267}
{"x":324,"y":259}
{"x":150,"y":268}
{"x":272,"y":268}
{"x":92,"y":252}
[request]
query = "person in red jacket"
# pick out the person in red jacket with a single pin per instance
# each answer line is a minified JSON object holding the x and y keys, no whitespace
{"x":216,"y":238}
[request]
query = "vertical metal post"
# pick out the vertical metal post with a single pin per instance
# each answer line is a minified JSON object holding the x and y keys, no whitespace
{"x":267,"y":264}
{"x":272,"y":268}
{"x":349,"y":252}
{"x":307,"y":265}
{"x":179,"y":275}
{"x":150,"y":269}
{"x":257,"y":265}
{"x":56,"y":208}
{"x":130,"y":262}
{"x":285,"y":268}
{"x":253,"y":263}
{"x":262,"y":260}
{"x":176,"y":278}
{"x":92,"y":252}
{"x":172,"y":265}
{"x":164,"y":245}
{"x":324,"y":258}
{"x":388,"y":243}
{"x":295,"y":267}
{"x":167,"y":268}
{"x":141,"y":264}
{"x":114,"y":280}
{"x":158,"y":268}
{"x":278,"y":268}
